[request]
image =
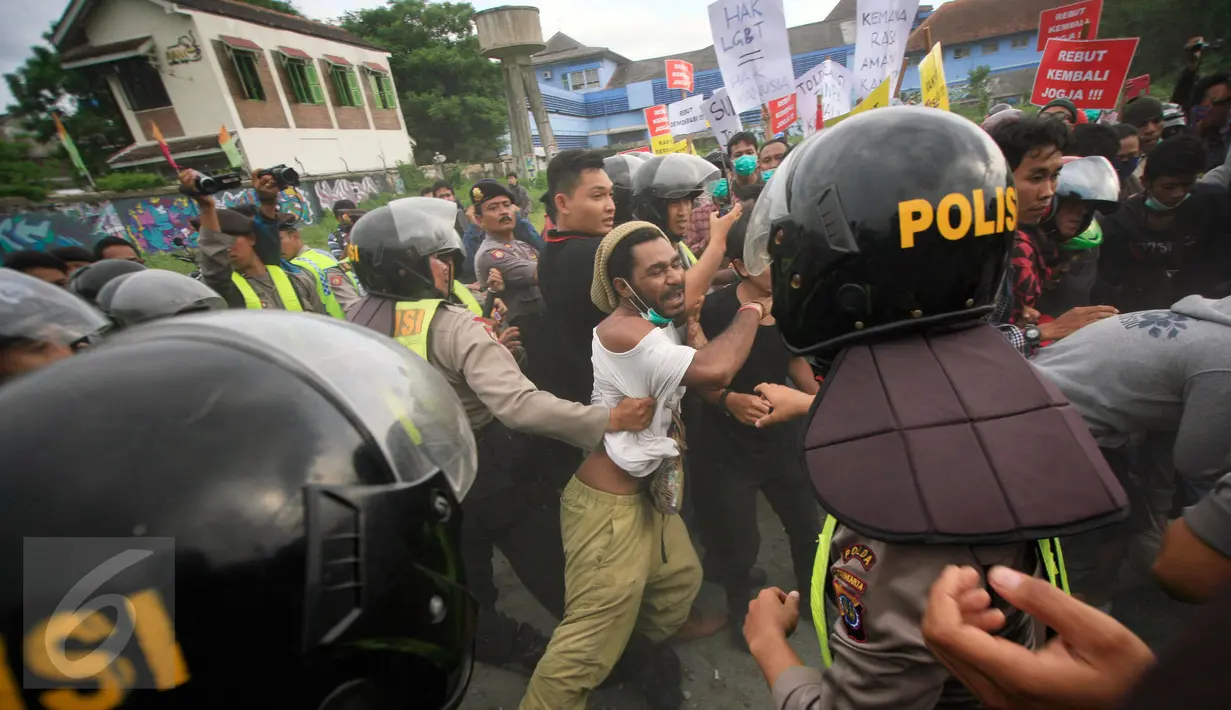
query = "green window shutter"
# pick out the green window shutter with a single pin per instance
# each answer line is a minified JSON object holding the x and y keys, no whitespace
{"x":386,"y":85}
{"x":374,"y":83}
{"x":315,"y":93}
{"x":294,"y":73}
{"x":356,"y":95}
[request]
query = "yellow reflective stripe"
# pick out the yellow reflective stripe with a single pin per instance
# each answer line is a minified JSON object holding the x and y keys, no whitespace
{"x":282,"y":285}
{"x":332,"y":307}
{"x":250,"y":297}
{"x":692,"y":258}
{"x":1064,"y":572}
{"x":820,"y":573}
{"x":467,"y":298}
{"x":399,"y":410}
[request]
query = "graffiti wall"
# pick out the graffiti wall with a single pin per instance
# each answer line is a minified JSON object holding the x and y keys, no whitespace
{"x":154,"y":221}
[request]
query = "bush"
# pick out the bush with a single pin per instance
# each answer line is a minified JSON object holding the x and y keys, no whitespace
{"x":19,"y":175}
{"x":124,"y":182}
{"x":413,"y":178}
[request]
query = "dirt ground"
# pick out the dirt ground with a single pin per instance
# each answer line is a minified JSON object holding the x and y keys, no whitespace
{"x":717,"y":675}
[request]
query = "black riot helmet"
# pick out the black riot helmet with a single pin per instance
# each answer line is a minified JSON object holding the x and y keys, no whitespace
{"x":153,"y":294}
{"x":666,"y":178}
{"x":41,"y":323}
{"x":621,"y":168}
{"x":258,"y":502}
{"x":393,"y":246}
{"x":894,"y":220}
{"x":90,"y":279}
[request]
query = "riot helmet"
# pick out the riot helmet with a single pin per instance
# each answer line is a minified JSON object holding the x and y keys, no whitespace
{"x":296,"y":529}
{"x":41,"y":323}
{"x":667,"y":178}
{"x":621,"y":168}
{"x":153,"y":294}
{"x":392,"y":246}
{"x":892,"y":221}
{"x":90,"y":279}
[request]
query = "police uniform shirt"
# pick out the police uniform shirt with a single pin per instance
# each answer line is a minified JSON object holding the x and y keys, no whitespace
{"x":518,"y":263}
{"x":339,"y":282}
{"x":487,"y":379}
{"x":216,"y":273}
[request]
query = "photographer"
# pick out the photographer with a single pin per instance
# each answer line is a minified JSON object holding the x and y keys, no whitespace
{"x":1206,"y":101}
{"x":240,"y":255}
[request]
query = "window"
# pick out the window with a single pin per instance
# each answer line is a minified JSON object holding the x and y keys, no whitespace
{"x":382,"y":90}
{"x":143,"y":88}
{"x":581,"y":80}
{"x":961,"y":52}
{"x":304,"y":81}
{"x":246,"y":70}
{"x":345,"y":86}
{"x":991,"y":47}
{"x":1019,"y":42}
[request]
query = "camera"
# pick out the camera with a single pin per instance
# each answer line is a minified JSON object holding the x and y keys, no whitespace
{"x":284,"y":176}
{"x":212,"y":184}
{"x":1206,"y":46}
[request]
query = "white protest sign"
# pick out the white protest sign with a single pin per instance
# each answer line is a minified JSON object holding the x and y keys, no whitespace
{"x":805,"y":108}
{"x":882,"y":28}
{"x":724,"y":121}
{"x":687,"y":116}
{"x":833,"y":82}
{"x":753,"y":51}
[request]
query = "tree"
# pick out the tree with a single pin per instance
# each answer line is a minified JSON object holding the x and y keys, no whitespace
{"x":1163,"y":27}
{"x":88,"y":109}
{"x":19,"y":175}
{"x":280,"y":5}
{"x":452,"y":97}
{"x":978,"y":88}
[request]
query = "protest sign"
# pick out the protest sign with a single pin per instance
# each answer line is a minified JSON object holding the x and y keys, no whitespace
{"x":782,"y":114}
{"x":932,"y":79}
{"x":679,"y":75}
{"x":1076,"y":21}
{"x":642,"y":149}
{"x":882,"y":27}
{"x":877,"y":99}
{"x":724,"y":121}
{"x":1089,"y":73}
{"x":753,"y":51}
{"x":1136,"y":86}
{"x":687,"y":116}
{"x":832,"y":82}
{"x":657,"y":120}
{"x":811,"y":113}
{"x":664,"y":144}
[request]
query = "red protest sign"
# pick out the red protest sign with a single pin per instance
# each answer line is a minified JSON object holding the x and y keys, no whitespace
{"x":1076,"y":21}
{"x":642,"y":149}
{"x":1136,"y":86}
{"x":782,"y":113}
{"x":1088,"y":73}
{"x":657,"y":120}
{"x":679,"y":75}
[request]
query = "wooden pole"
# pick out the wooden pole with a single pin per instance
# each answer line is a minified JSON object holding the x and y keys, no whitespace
{"x":927,"y":42}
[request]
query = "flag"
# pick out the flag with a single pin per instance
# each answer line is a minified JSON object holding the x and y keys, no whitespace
{"x":229,"y":149}
{"x":162,"y":143}
{"x":69,"y":146}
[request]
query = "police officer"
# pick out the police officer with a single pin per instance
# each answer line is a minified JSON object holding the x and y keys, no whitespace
{"x":312,"y":559}
{"x":932,"y":443}
{"x":233,"y":261}
{"x":89,"y":280}
{"x":336,"y":286}
{"x":41,"y":323}
{"x":153,"y":294}
{"x":406,"y":254}
{"x":664,"y":189}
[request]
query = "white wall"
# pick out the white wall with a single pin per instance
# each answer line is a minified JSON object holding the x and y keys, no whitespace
{"x":194,"y":88}
{"x":319,"y":150}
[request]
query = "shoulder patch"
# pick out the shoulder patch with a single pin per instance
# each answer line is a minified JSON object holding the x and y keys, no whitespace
{"x":865,"y":556}
{"x":497,"y":253}
{"x":486,"y":326}
{"x":852,"y":582}
{"x":335,"y":280}
{"x":852,"y":613}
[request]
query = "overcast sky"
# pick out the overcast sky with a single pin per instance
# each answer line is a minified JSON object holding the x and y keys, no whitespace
{"x":637,"y":29}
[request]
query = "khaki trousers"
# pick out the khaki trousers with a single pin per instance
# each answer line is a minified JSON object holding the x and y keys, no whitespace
{"x":626,"y":568}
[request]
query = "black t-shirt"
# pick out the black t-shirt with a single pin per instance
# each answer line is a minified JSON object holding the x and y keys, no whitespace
{"x":768,"y":361}
{"x":566,"y":270}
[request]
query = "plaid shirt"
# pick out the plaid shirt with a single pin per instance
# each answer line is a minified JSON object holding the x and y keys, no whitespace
{"x":1000,"y":318}
{"x":697,"y":234}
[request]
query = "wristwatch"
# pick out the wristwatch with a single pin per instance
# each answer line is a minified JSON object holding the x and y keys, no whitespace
{"x":1033,"y":334}
{"x":722,"y":401}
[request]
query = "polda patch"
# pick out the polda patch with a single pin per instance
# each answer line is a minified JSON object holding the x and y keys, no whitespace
{"x":865,"y":556}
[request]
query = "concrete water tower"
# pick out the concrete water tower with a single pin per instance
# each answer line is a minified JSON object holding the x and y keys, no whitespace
{"x":512,"y":33}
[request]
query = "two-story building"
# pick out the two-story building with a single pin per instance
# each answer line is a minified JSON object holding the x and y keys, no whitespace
{"x":288,"y":90}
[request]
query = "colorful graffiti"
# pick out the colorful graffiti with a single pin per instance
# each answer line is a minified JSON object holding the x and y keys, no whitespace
{"x":153,"y":222}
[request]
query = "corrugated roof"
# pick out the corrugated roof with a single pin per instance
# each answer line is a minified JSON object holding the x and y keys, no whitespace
{"x":561,"y":48}
{"x":137,"y":153}
{"x":970,"y":20}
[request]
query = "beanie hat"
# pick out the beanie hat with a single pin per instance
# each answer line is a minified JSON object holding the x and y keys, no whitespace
{"x":601,"y":293}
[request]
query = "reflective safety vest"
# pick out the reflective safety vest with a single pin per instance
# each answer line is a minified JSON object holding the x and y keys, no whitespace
{"x":322,"y":262}
{"x":411,"y":320}
{"x":1049,"y":551}
{"x":332,"y":307}
{"x":282,"y":284}
{"x":689,"y":257}
{"x":467,"y":298}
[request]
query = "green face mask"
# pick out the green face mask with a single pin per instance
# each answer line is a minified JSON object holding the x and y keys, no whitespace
{"x":745,"y":165}
{"x":646,"y":312}
{"x":765,"y":176}
{"x":720,"y":189}
{"x":1153,"y":204}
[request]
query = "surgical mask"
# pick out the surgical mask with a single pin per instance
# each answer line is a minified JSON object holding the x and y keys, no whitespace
{"x":745,"y":165}
{"x":1126,"y":166}
{"x":646,"y":312}
{"x":765,"y":176}
{"x":1155,"y":205}
{"x":720,"y":188}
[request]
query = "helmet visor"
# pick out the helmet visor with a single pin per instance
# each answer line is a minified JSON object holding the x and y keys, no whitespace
{"x":675,"y":176}
{"x":771,"y":206}
{"x":1091,"y":179}
{"x":423,"y":224}
{"x":32,"y":309}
